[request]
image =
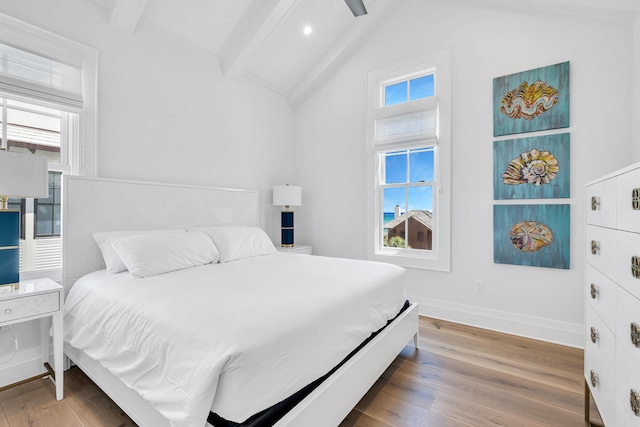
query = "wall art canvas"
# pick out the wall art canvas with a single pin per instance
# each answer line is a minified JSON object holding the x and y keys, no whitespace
{"x":532,"y":100}
{"x":532,"y":168}
{"x":532,"y":235}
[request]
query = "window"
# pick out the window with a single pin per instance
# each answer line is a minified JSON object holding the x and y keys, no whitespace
{"x":409,"y":148}
{"x":31,"y":128}
{"x":48,"y":211}
{"x":47,"y":108}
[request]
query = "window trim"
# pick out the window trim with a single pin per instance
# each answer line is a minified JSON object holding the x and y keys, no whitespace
{"x":41,"y":42}
{"x":80,"y":157}
{"x":439,"y":258}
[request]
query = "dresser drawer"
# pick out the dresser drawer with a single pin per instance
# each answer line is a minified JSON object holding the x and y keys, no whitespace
{"x":601,"y":249}
{"x":601,"y":203}
{"x":627,"y":379}
{"x":628,"y":313}
{"x":600,"y":293}
{"x":29,"y":306}
{"x":599,"y":357}
{"x":628,"y":201}
{"x":622,"y":415}
{"x":628,"y":255}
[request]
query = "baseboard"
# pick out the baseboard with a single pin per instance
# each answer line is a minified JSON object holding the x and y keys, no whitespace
{"x":569,"y":334}
{"x":25,"y":364}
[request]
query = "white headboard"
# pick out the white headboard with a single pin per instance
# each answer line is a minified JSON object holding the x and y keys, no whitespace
{"x":99,"y":204}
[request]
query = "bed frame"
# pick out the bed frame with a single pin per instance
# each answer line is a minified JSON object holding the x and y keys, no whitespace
{"x":96,"y":204}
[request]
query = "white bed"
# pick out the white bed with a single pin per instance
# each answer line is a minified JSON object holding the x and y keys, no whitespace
{"x":90,"y":205}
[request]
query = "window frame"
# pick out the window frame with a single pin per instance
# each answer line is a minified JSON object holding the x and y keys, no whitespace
{"x":82,"y":154}
{"x":78,"y":154}
{"x":439,"y":258}
{"x":55,"y":201}
{"x":381,"y":186}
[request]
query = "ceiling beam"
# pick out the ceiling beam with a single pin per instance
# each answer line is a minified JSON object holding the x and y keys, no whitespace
{"x":125,"y":14}
{"x":624,"y":10}
{"x":341,"y":51}
{"x":251,"y":33}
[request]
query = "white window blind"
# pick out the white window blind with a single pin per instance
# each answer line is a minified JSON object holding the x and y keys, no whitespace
{"x":33,"y":76}
{"x":407,"y":121}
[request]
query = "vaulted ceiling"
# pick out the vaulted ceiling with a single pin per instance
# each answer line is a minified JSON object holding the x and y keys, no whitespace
{"x":264,"y":40}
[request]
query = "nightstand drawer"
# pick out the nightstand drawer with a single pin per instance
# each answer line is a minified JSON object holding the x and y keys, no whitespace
{"x":28,"y":306}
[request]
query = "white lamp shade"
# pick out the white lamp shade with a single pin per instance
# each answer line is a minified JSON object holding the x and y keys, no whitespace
{"x":287,"y":195}
{"x":23,"y":175}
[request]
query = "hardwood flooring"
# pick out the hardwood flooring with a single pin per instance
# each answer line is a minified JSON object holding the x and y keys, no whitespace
{"x":461,"y":377}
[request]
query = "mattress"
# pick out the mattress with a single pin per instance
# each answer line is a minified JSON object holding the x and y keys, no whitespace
{"x":233,"y":338}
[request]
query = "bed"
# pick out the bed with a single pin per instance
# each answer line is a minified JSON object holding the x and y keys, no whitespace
{"x":91,"y":205}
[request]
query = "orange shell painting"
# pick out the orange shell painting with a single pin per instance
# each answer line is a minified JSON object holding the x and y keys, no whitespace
{"x":530,"y":236}
{"x":529,"y":101}
{"x":531,"y":167}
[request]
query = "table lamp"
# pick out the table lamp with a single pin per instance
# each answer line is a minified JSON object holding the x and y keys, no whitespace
{"x":287,"y":195}
{"x":21,"y":175}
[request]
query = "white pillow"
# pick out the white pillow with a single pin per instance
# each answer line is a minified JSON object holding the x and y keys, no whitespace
{"x":240,"y":242}
{"x":153,"y":254}
{"x":111,"y":259}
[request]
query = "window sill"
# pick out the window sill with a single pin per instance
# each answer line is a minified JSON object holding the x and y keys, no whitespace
{"x":428,"y":261}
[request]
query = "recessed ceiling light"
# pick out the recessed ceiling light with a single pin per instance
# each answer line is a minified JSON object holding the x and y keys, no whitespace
{"x":307,"y":30}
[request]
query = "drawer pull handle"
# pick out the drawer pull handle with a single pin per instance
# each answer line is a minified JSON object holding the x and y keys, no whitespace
{"x":635,"y":402}
{"x":594,"y":378}
{"x":594,"y":247}
{"x":635,"y":334}
{"x":635,"y":266}
{"x":594,"y":203}
{"x":635,"y":199}
{"x":594,"y":291}
{"x":594,"y":335}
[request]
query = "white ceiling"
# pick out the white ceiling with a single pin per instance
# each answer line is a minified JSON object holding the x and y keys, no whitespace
{"x":263,"y":39}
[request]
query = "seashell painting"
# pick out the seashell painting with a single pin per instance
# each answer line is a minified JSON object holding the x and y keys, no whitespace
{"x":537,"y":167}
{"x":535,"y":235}
{"x":531,"y":167}
{"x":530,"y":236}
{"x":529,"y":101}
{"x":532,"y":100}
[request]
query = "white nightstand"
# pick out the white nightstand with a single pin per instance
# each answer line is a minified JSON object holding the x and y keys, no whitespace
{"x":297,"y":249}
{"x":38,"y":299}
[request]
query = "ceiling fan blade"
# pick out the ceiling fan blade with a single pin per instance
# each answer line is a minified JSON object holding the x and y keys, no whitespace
{"x":357,"y":7}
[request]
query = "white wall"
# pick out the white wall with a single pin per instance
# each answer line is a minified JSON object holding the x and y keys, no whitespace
{"x":165,"y":113}
{"x":636,"y":89}
{"x":330,"y":133}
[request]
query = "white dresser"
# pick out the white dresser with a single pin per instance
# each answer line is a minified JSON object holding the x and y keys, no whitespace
{"x":612,"y":294}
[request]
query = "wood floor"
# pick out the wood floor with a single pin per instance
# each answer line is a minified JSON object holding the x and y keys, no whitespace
{"x":460,"y":377}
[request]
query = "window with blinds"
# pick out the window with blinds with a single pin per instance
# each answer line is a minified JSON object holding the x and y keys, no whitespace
{"x":27,"y":75}
{"x":408,"y":105}
{"x":47,"y":108}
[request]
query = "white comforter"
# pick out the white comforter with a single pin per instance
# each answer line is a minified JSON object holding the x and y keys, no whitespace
{"x":235,"y":338}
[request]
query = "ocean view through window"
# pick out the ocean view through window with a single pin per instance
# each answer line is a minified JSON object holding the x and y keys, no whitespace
{"x":407,"y":190}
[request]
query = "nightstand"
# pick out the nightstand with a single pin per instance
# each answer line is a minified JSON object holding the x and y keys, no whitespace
{"x":297,"y":249}
{"x":38,"y":299}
